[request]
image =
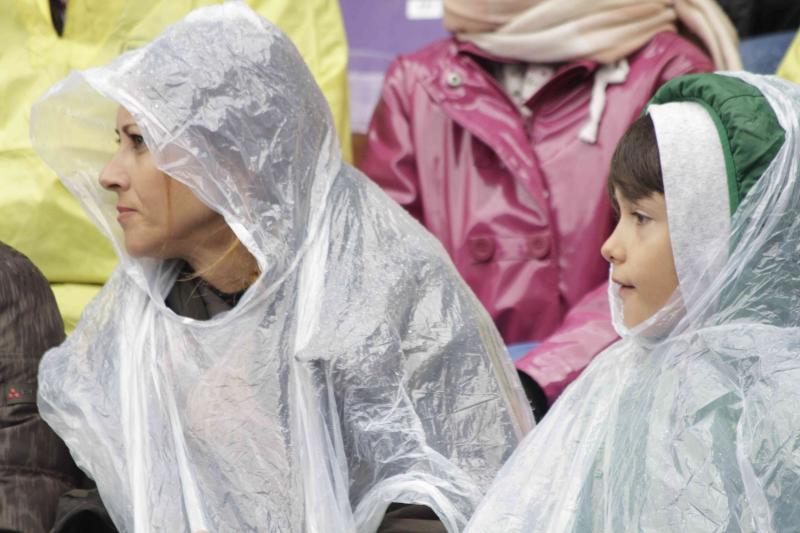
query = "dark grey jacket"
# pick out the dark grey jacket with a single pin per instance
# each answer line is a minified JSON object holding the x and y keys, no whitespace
{"x":35,"y":466}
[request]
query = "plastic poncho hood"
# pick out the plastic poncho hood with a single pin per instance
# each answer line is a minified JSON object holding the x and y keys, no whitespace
{"x":358,"y":370}
{"x":689,"y":422}
{"x":196,"y":102}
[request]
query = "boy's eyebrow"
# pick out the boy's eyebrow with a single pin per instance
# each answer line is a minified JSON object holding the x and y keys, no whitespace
{"x":624,"y":200}
{"x":640,"y":203}
{"x":634,"y":204}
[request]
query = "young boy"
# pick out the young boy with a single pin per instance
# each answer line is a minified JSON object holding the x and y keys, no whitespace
{"x":689,"y":422}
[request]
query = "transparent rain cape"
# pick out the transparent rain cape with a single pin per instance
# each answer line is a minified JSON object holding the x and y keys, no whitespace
{"x":357,"y":371}
{"x":691,"y":422}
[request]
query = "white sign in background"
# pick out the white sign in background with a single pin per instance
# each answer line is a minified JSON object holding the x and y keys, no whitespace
{"x":423,"y":9}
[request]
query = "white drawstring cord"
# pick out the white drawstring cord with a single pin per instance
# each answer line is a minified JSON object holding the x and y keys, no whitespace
{"x":605,"y":75}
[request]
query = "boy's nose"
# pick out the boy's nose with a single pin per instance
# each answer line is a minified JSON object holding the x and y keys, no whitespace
{"x":612,"y":250}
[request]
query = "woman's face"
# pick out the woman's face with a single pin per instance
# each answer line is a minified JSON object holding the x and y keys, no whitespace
{"x":640,"y":253}
{"x":160,"y":216}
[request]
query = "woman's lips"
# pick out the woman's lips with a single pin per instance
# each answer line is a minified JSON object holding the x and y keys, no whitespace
{"x":124,"y":212}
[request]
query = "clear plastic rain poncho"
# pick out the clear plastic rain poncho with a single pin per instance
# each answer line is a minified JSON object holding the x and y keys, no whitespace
{"x":691,"y":422}
{"x":357,"y":371}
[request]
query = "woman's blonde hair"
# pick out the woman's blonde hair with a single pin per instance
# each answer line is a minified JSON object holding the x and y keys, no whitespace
{"x":235,"y":247}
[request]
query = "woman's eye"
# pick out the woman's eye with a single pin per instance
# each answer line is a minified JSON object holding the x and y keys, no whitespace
{"x":138,"y":141}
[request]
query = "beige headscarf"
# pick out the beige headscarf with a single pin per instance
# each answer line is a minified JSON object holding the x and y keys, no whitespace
{"x":607,"y":31}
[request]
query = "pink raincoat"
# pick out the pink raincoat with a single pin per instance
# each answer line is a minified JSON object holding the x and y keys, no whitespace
{"x":520,"y":205}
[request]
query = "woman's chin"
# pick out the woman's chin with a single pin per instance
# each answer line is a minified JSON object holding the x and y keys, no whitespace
{"x":138,"y":248}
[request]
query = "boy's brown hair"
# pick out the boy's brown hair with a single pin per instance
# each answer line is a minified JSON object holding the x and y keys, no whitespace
{"x":635,"y":166}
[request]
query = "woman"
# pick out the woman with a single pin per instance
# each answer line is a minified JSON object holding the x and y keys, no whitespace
{"x":689,"y":422}
{"x":281,"y":348}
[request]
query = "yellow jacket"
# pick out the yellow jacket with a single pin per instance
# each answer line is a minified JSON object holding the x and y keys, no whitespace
{"x":790,"y":64}
{"x":39,"y":216}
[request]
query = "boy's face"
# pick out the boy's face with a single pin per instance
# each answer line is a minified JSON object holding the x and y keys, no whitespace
{"x":640,"y":253}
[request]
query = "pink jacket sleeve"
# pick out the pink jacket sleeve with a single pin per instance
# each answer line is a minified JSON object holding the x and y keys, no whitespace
{"x":389,"y":159}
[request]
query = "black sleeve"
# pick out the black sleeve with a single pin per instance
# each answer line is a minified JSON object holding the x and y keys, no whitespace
{"x":405,"y":518}
{"x":82,"y":511}
{"x":535,"y":395}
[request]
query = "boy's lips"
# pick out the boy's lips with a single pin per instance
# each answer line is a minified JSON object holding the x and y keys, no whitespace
{"x":624,"y":288}
{"x":622,"y":283}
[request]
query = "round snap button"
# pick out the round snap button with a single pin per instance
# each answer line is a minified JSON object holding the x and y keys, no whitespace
{"x":539,"y":246}
{"x":453,"y":79}
{"x":481,"y":249}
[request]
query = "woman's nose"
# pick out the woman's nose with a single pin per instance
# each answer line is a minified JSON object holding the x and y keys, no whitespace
{"x":113,"y":177}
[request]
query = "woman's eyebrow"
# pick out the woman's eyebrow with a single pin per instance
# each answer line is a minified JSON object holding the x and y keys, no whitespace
{"x":126,"y":129}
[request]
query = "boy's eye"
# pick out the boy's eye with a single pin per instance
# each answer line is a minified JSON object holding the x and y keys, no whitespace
{"x":641,"y":218}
